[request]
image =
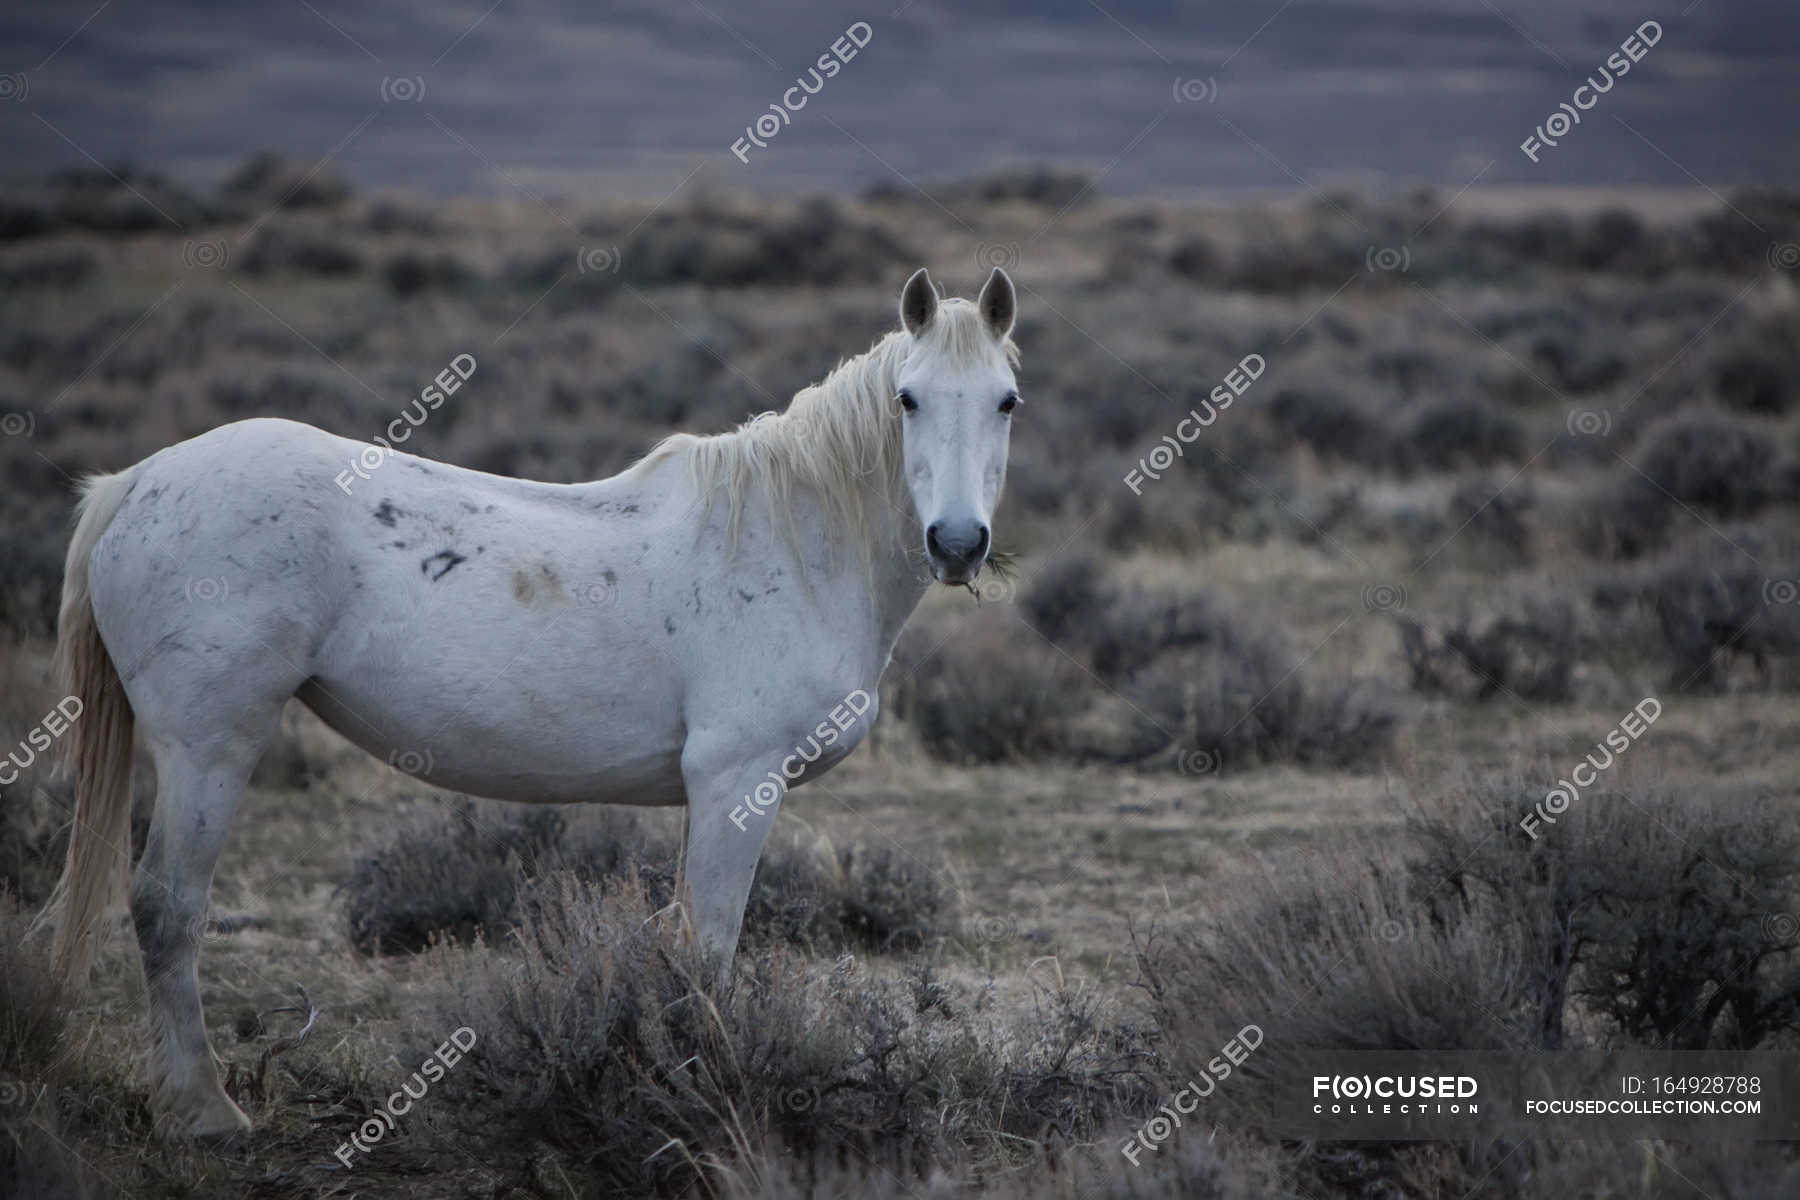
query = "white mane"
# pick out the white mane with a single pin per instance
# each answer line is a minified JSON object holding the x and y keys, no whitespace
{"x":840,"y":437}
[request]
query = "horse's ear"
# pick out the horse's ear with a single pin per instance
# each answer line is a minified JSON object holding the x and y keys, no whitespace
{"x":918,"y":302}
{"x":998,"y":304}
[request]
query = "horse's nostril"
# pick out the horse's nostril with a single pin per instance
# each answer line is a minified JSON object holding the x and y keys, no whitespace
{"x":960,"y":542}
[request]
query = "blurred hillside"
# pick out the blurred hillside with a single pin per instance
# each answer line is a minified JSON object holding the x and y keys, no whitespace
{"x":569,"y":99}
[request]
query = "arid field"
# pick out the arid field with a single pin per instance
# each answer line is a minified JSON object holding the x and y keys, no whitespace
{"x":1250,"y":732}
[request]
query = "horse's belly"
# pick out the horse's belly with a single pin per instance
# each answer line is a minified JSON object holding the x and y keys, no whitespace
{"x":514,"y":742}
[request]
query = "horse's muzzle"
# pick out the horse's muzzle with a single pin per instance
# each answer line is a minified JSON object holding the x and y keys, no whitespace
{"x":957,"y":549}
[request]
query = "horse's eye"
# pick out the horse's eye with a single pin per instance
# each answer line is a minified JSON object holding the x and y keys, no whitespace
{"x":907,"y":402}
{"x":1010,"y":402}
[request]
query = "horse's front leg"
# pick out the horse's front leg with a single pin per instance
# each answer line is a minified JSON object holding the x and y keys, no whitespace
{"x":732,"y":802}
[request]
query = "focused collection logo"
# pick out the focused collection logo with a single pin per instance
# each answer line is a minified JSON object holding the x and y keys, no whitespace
{"x":1395,"y":1095}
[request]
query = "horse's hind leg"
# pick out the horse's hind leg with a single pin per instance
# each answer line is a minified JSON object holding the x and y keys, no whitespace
{"x":197,"y":791}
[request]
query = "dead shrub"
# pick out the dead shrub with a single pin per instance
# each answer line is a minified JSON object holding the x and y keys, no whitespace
{"x":459,"y":873}
{"x":599,"y":1042}
{"x":1496,"y":511}
{"x":267,"y":181}
{"x":993,"y":692}
{"x":1724,"y":466}
{"x":1755,"y":370}
{"x":1455,"y":433}
{"x":59,"y":268}
{"x":1715,"y":615}
{"x":1667,"y":916}
{"x":1642,"y":916}
{"x":410,"y":273}
{"x":1338,"y":428}
{"x":285,"y":249}
{"x":1197,"y":676}
{"x":1530,"y":654}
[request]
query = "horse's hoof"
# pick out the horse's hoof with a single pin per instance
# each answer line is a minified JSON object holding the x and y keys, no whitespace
{"x":220,"y":1125}
{"x":228,"y":1144}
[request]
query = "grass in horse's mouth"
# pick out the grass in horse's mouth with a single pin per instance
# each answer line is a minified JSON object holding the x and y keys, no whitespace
{"x":1003,"y":564}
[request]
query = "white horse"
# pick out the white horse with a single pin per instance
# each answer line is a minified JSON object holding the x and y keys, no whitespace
{"x":708,"y":627}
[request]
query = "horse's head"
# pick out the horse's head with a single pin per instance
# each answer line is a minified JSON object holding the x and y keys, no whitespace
{"x":956,"y":395}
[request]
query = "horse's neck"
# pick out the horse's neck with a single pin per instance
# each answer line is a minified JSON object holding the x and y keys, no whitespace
{"x":895,"y":570}
{"x":895,"y":576}
{"x":886,"y":575}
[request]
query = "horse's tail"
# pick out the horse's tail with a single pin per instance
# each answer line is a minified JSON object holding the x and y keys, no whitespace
{"x":98,"y":748}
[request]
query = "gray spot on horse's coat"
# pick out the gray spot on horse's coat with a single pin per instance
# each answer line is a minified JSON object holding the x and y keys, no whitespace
{"x":450,"y":559}
{"x":544,"y":586}
{"x":386,"y":513}
{"x":467,"y":507}
{"x":669,"y":625}
{"x":746,"y":597}
{"x":398,"y":545}
{"x":610,"y":578}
